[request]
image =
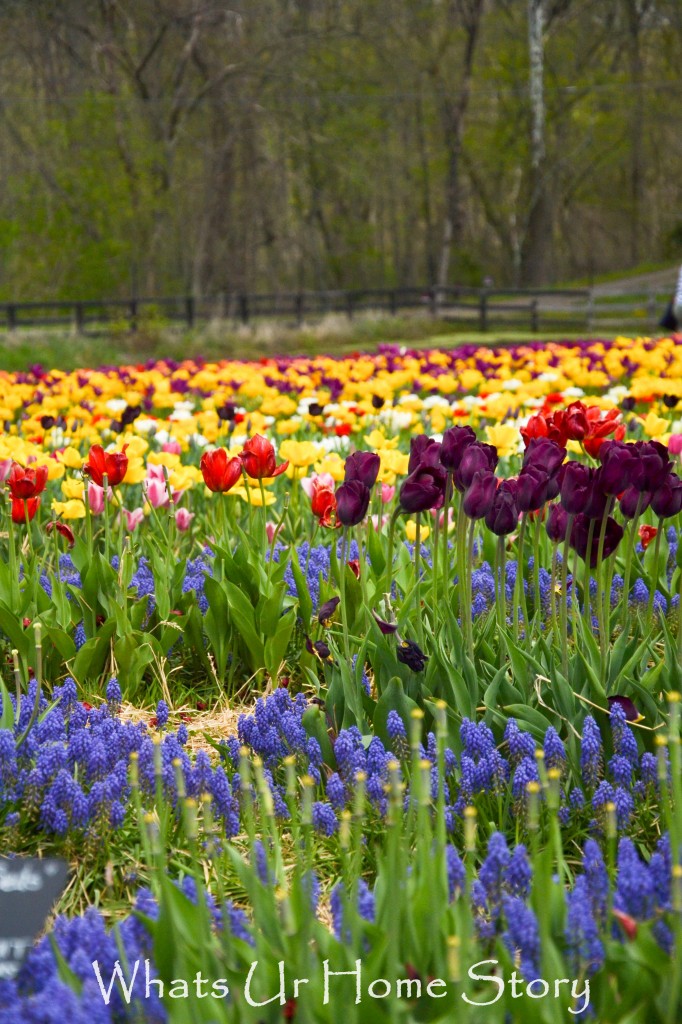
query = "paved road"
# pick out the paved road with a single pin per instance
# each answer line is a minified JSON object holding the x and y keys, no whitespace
{"x":659,"y":281}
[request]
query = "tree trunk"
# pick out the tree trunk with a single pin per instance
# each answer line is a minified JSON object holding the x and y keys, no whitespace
{"x":537,"y":260}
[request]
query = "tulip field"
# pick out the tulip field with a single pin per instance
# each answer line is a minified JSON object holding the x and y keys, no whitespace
{"x":348,"y":688}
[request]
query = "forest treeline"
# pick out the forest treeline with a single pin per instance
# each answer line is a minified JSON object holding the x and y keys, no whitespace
{"x":206,"y":146}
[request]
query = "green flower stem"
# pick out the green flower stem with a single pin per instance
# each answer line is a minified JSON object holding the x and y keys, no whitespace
{"x":388,"y":578}
{"x":264,"y":512}
{"x":536,"y":566}
{"x":446,"y":551}
{"x":629,"y":553}
{"x":500,"y":592}
{"x":13,"y":567}
{"x":574,"y":596}
{"x":417,"y":576}
{"x":587,"y":618}
{"x":654,"y":575}
{"x":364,"y":568}
{"x":679,"y":622}
{"x":28,"y":530}
{"x":105,"y":493}
{"x":552,"y":588}
{"x":460,"y":549}
{"x":519,"y":594}
{"x":342,"y":589}
{"x":59,"y":586}
{"x":466,"y":611}
{"x":603,"y":613}
{"x":434,"y":566}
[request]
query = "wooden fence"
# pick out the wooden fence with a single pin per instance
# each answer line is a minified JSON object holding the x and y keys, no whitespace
{"x":481,"y":309}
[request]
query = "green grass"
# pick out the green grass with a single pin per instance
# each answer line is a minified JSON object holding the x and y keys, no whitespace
{"x":60,"y":349}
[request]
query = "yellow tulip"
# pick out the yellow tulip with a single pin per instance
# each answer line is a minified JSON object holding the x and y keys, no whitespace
{"x":168,"y":459}
{"x":72,"y":509}
{"x":72,"y":488}
{"x":71,"y":458}
{"x":411,"y":531}
{"x":136,"y":471}
{"x":377,"y":440}
{"x":655,"y":426}
{"x":506,"y":438}
{"x":299,"y":454}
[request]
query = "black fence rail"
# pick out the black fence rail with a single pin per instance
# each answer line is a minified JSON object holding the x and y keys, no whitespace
{"x":481,"y":309}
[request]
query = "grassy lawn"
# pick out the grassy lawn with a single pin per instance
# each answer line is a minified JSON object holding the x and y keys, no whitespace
{"x":66,"y":350}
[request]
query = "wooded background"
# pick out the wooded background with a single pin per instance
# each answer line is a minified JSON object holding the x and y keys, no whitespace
{"x":172,"y":146}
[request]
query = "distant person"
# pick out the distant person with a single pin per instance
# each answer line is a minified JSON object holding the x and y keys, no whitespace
{"x":672,"y":318}
{"x":677,"y":300}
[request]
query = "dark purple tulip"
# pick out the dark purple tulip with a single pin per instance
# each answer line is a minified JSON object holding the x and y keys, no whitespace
{"x":554,"y":484}
{"x":621,"y":466}
{"x":544,"y":453}
{"x":455,"y":441}
{"x":531,"y":491}
{"x":479,"y":495}
{"x":631,"y":498}
{"x":476,"y":458}
{"x":386,"y":627}
{"x":596,"y":499}
{"x":580,"y":535}
{"x":318,"y":648}
{"x":327,"y":610}
{"x":632,"y":714}
{"x":503,"y":515}
{"x":352,"y":502}
{"x":424,"y":451}
{"x":667,"y":500}
{"x":362,"y":466}
{"x":557,"y":523}
{"x":656,"y":465}
{"x":574,"y":487}
{"x":410,"y":654}
{"x":423,"y":489}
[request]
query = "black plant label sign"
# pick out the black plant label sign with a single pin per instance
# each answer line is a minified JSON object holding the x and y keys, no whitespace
{"x":29,"y":887}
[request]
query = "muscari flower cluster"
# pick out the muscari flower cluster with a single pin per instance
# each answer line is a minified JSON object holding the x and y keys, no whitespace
{"x":39,"y":995}
{"x":483,"y":769}
{"x":70,"y":774}
{"x":499,"y":900}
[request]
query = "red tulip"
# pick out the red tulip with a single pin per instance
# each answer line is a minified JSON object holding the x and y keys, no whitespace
{"x":627,"y":923}
{"x":113,"y":465}
{"x":219,"y":471}
{"x":26,"y":483}
{"x":322,"y":499}
{"x":62,"y":528}
{"x":646,"y":535}
{"x":258,"y":459}
{"x":23,"y":506}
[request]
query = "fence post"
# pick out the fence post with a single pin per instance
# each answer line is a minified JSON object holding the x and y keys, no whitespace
{"x":651,"y":307}
{"x":11,"y":316}
{"x":133,"y":314}
{"x":433,"y":300}
{"x":483,"y":312}
{"x":244,"y":308}
{"x":534,"y":319}
{"x":589,"y":311}
{"x":298,"y":306}
{"x":78,"y":317}
{"x":189,"y":310}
